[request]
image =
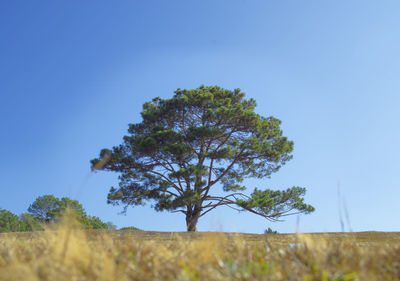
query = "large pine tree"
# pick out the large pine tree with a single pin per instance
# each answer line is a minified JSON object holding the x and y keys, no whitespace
{"x":200,"y":140}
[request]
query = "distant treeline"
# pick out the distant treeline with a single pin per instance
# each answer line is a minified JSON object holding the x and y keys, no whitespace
{"x":49,"y":209}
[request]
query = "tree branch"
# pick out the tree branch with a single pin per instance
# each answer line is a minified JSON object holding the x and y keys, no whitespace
{"x":168,"y":180}
{"x":177,"y":211}
{"x":228,"y":202}
{"x":173,"y":170}
{"x":227,"y":169}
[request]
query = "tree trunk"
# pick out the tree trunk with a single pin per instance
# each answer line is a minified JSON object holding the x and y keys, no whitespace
{"x":191,"y":219}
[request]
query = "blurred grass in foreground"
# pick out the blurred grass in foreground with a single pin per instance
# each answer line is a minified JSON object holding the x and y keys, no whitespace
{"x":67,"y":252}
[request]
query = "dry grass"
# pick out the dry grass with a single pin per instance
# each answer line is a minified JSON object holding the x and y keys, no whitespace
{"x":69,"y":253}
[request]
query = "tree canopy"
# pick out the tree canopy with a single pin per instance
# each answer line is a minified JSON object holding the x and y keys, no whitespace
{"x":48,"y":208}
{"x":10,"y":222}
{"x":191,"y":144}
{"x":43,"y":208}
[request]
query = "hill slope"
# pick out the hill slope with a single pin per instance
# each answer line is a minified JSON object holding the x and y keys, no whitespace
{"x":369,"y":238}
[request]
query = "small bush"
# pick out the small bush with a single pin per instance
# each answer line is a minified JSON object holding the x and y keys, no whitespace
{"x":129,"y":228}
{"x":270,"y":231}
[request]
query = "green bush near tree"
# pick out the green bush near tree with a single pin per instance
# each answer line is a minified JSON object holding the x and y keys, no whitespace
{"x":49,"y":209}
{"x":270,"y":231}
{"x":129,"y":228}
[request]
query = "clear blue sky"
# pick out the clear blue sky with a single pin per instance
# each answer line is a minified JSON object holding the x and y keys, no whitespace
{"x":74,"y":73}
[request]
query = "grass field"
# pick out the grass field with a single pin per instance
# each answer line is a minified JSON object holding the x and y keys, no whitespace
{"x":69,"y":253}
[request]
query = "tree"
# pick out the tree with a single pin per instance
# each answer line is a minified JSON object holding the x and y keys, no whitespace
{"x":111,"y":226}
{"x":43,"y":208}
{"x":8,"y":221}
{"x":270,"y":231}
{"x":77,"y":209}
{"x":95,"y":223}
{"x":188,"y":144}
{"x":48,"y":208}
{"x":29,"y":223}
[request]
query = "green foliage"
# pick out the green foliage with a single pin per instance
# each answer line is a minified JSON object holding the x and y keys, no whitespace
{"x":8,"y":221}
{"x":270,"y":231}
{"x":111,"y":226}
{"x":95,"y":223}
{"x":188,"y":144}
{"x":29,"y":223}
{"x":43,"y":208}
{"x":275,"y":203}
{"x":129,"y":228}
{"x":48,"y":208}
{"x":67,"y":203}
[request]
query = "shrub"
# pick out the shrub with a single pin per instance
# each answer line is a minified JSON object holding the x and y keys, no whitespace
{"x":270,"y":231}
